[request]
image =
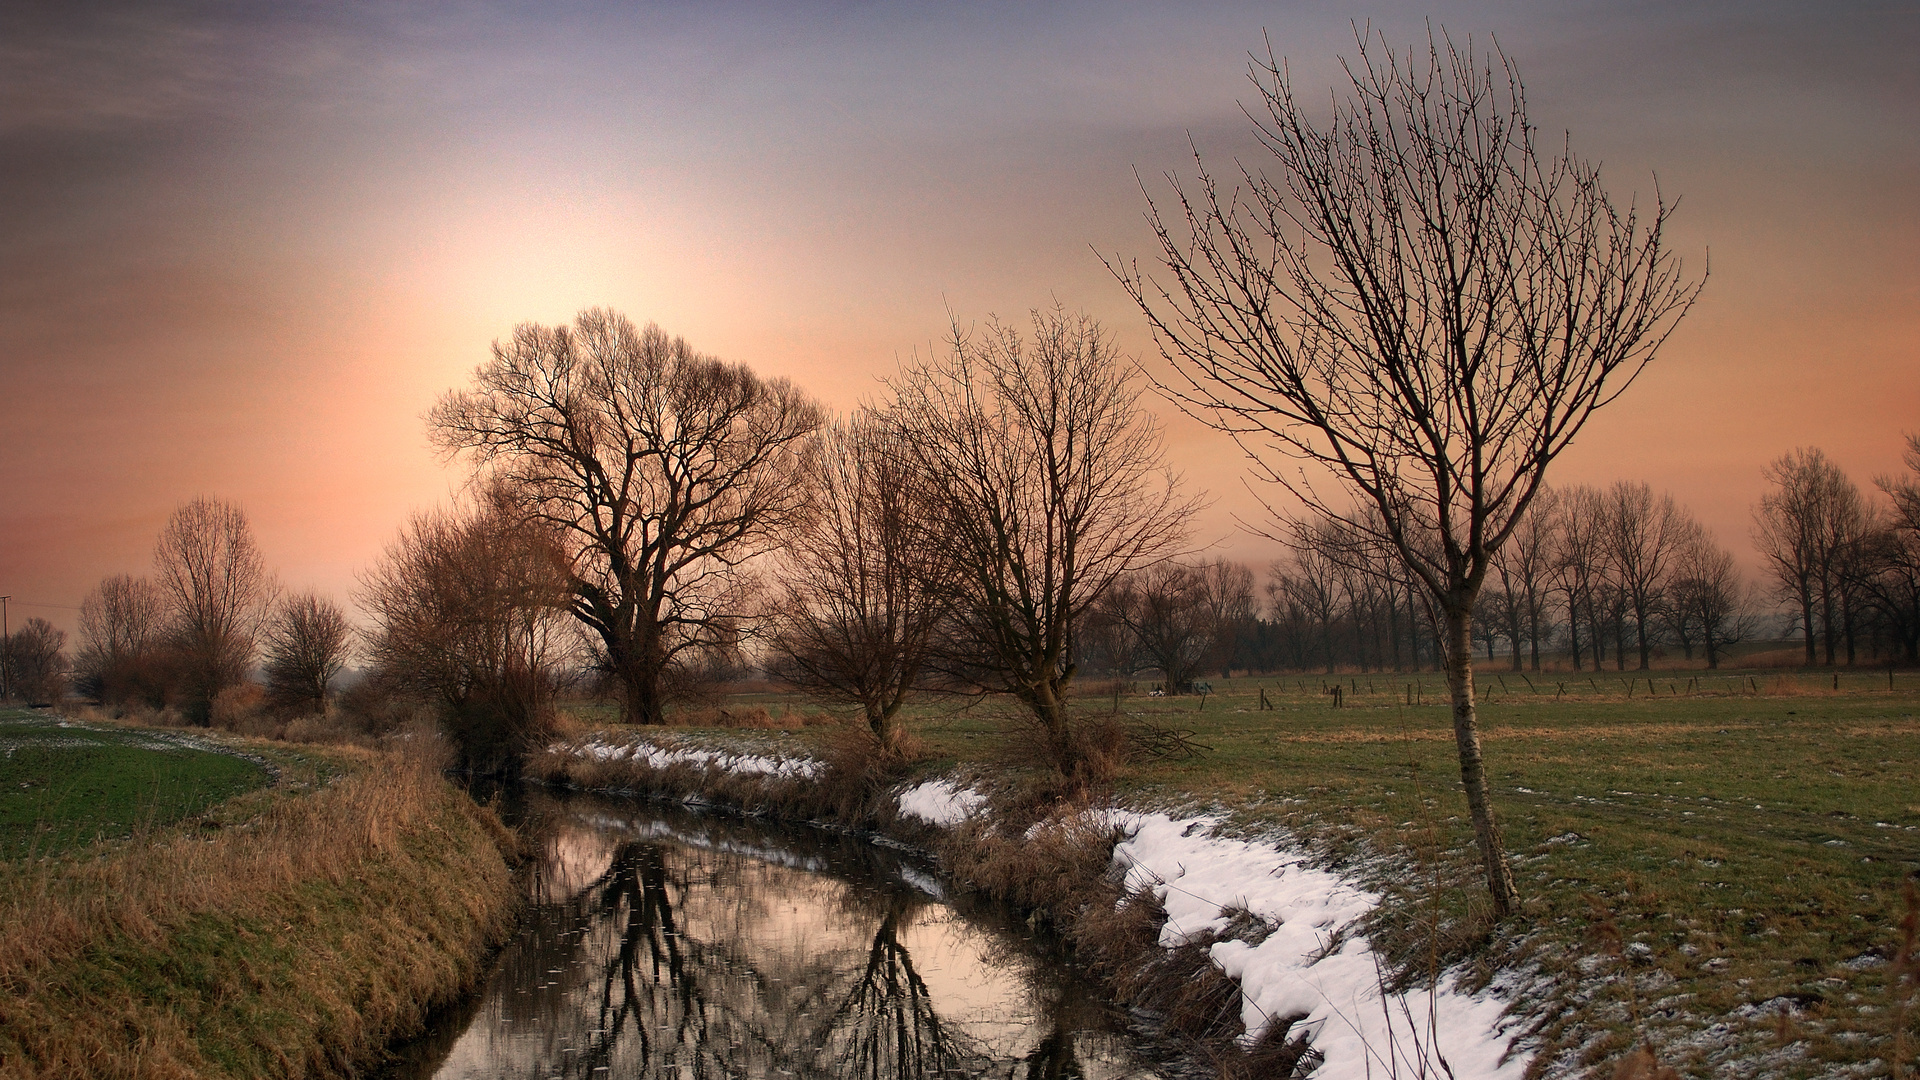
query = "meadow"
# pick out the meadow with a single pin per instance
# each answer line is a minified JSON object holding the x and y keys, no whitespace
{"x":63,"y":785}
{"x":1711,"y":864}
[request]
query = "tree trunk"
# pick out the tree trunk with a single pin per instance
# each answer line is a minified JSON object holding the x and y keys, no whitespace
{"x":1573,"y":627}
{"x":1645,"y":641}
{"x":1473,"y":776}
{"x":1806,"y":620}
{"x":1826,"y":619}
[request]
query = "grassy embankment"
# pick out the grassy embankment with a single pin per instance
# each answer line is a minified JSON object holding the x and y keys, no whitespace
{"x":173,"y":912}
{"x":1746,"y":833}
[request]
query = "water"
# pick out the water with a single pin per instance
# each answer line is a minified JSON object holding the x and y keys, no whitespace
{"x":664,"y":943}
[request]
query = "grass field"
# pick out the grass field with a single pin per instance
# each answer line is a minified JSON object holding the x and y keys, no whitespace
{"x":220,"y":926}
{"x":1746,"y":835}
{"x":62,"y":785}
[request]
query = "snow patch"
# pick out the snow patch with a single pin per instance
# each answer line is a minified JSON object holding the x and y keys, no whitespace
{"x":939,"y":802}
{"x":659,"y":757}
{"x":1312,"y":964}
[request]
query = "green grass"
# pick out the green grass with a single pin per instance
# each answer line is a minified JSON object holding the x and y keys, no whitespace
{"x":63,"y":786}
{"x":1747,"y":832}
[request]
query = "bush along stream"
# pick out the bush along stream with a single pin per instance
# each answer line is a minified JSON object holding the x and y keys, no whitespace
{"x":1237,"y":951}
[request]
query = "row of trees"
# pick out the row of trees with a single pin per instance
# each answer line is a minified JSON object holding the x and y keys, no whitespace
{"x":1594,"y":576}
{"x":1850,"y":568}
{"x":956,"y":535}
{"x":196,"y":628}
{"x":1597,"y":574}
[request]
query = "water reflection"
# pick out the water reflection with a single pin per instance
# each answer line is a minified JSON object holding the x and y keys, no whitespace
{"x":667,"y":944}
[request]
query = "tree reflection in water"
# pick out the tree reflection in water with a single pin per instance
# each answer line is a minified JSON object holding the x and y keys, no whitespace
{"x":708,"y":960}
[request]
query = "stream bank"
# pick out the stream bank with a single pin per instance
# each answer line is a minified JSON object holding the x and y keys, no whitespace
{"x":1239,"y":949}
{"x":293,"y":931}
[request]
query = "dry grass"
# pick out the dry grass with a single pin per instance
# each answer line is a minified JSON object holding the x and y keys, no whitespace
{"x":288,"y":932}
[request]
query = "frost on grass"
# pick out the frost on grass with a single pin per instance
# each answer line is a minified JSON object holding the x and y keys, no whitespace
{"x":1310,"y":965}
{"x":661,"y":757}
{"x":939,"y":802}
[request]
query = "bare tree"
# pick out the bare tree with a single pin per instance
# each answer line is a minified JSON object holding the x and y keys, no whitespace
{"x":1425,"y":303}
{"x":1525,"y":566}
{"x":1047,"y":483}
{"x":218,"y":591}
{"x":120,"y":641}
{"x":658,"y":469}
{"x":307,"y":644}
{"x":1577,"y":565}
{"x":866,"y":583}
{"x":1165,"y":611}
{"x":1643,"y":536}
{"x":1805,"y":528}
{"x":1226,"y":588}
{"x":1895,"y":582}
{"x":37,"y":661}
{"x":1707,"y":595}
{"x":469,"y":613}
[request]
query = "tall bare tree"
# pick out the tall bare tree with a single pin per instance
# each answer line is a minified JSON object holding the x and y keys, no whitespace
{"x":1226,"y":589}
{"x":307,"y":644}
{"x":218,"y":591}
{"x":1424,"y":302}
{"x":1047,"y":483}
{"x":659,"y":470}
{"x":120,"y":639}
{"x":866,"y":583}
{"x":1577,"y":564}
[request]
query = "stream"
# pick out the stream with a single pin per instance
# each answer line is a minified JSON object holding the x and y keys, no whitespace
{"x":662,"y":942}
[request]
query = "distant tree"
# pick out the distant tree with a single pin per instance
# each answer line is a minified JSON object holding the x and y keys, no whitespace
{"x":121,"y":637}
{"x":866,"y":583}
{"x":1226,"y":588}
{"x":1289,"y":616}
{"x":36,"y":655}
{"x":1644,"y":534}
{"x":469,"y":614}
{"x":1576,"y":564}
{"x":217,"y":590}
{"x":1046,"y":483}
{"x":658,"y":470}
{"x":1313,"y":580}
{"x":1165,"y":611}
{"x":1807,"y":527}
{"x":307,"y":644}
{"x":1706,"y":594}
{"x":1524,"y":567}
{"x":1425,"y":303}
{"x":1894,"y":556}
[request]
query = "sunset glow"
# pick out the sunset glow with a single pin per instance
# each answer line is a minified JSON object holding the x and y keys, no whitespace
{"x":244,"y":250}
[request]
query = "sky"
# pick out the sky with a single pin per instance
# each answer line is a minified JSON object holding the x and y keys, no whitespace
{"x":245,"y":247}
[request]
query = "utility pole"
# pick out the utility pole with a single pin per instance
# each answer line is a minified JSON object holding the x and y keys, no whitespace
{"x":6,"y":653}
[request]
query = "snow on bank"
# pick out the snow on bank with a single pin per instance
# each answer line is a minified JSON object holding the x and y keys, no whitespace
{"x":659,"y":757}
{"x":938,"y":802}
{"x":1310,"y":965}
